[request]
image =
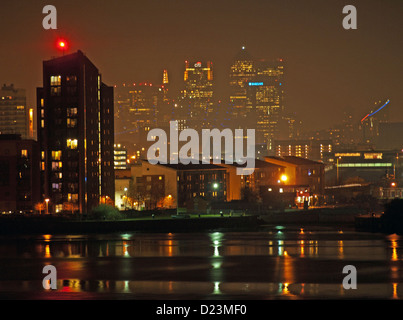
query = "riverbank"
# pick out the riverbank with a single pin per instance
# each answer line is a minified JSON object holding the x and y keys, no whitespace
{"x":317,"y":216}
{"x":53,"y":225}
{"x":166,"y":222}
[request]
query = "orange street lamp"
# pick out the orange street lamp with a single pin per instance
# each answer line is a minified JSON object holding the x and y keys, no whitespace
{"x":47,"y":204}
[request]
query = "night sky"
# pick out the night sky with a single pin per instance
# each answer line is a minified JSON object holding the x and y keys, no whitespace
{"x":328,"y":69}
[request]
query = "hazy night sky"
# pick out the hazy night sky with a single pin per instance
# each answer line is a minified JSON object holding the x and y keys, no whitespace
{"x":328,"y":69}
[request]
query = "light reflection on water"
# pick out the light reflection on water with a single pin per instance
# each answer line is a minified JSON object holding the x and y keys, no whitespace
{"x":215,"y":244}
{"x":287,"y":249}
{"x":120,"y":288}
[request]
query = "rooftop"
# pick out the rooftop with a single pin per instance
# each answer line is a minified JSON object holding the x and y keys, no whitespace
{"x":258,"y":164}
{"x":295,"y":160}
{"x":243,"y":55}
{"x":191,"y":166}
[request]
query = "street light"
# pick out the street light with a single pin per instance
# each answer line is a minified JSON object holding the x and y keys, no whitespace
{"x":125,"y":204}
{"x":284,"y":178}
{"x":47,"y":203}
{"x":337,"y":168}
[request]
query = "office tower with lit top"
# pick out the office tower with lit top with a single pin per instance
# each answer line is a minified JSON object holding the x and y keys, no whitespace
{"x":242,"y":71}
{"x":197,"y":95}
{"x":75,"y":134}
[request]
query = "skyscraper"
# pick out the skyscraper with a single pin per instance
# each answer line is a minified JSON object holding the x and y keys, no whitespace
{"x":197,"y":95}
{"x":140,"y":107}
{"x":15,"y":116}
{"x":242,"y":71}
{"x":266,"y":95}
{"x":257,"y":96}
{"x":75,"y":134}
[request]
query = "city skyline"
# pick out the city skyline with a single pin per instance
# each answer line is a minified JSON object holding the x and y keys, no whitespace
{"x":329,"y":69}
{"x":195,"y":150}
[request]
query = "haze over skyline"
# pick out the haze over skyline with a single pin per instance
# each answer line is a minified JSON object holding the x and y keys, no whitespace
{"x":328,"y":69}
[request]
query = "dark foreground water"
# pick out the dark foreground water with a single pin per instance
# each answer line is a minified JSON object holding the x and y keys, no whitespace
{"x":276,"y":263}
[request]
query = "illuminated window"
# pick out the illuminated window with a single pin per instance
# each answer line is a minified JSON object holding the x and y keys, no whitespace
{"x":56,"y":186}
{"x":24,"y":153}
{"x":373,"y":155}
{"x":71,"y":112}
{"x":56,"y":155}
{"x":71,"y":80}
{"x":71,"y":123}
{"x":72,"y":143}
{"x":56,"y":165}
{"x":42,"y":123}
{"x":55,"y":80}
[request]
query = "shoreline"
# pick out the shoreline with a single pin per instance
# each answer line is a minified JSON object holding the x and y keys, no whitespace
{"x":58,"y":226}
{"x":327,"y":217}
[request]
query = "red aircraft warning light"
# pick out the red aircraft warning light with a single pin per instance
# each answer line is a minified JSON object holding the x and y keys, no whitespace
{"x":62,"y":45}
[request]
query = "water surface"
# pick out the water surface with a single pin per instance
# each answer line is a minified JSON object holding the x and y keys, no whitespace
{"x":276,"y":263}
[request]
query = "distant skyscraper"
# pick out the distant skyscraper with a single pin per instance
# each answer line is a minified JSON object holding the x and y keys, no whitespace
{"x":165,"y":80}
{"x":257,"y":97}
{"x":266,"y":95}
{"x":197,"y":94}
{"x":140,"y":107}
{"x":144,"y":106}
{"x":165,"y":89}
{"x":15,"y":117}
{"x":75,"y":134}
{"x":242,"y":71}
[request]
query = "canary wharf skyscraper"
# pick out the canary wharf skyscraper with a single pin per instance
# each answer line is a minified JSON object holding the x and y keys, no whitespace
{"x":242,"y":71}
{"x":75,"y":135}
{"x":257,"y":96}
{"x":266,"y":95}
{"x":197,"y":95}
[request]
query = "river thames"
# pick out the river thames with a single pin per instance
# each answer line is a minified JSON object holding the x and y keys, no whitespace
{"x":278,"y":262}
